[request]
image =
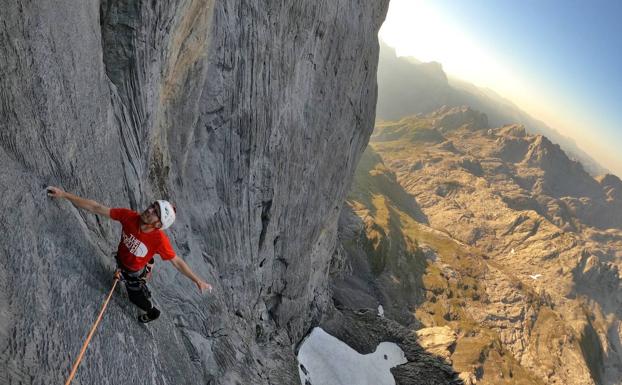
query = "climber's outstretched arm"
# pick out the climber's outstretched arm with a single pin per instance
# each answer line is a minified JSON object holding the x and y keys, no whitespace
{"x":183,"y":268}
{"x":86,"y":204}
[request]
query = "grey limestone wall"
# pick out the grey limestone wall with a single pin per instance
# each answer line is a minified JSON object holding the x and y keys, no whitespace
{"x":250,"y":116}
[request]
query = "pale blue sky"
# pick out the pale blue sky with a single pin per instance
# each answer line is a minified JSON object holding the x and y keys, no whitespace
{"x":559,"y":60}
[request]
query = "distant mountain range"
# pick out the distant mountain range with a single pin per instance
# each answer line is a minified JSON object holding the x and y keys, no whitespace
{"x":407,"y":86}
{"x":499,"y":250}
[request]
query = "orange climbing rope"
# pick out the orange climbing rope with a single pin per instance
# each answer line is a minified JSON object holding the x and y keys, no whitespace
{"x":88,"y":339}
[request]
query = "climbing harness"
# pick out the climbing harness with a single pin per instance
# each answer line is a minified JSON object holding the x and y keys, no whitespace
{"x":117,"y":276}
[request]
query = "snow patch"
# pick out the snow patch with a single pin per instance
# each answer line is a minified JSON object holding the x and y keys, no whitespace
{"x":325,"y":360}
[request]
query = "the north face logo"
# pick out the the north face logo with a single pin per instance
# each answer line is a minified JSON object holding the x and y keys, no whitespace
{"x":135,"y":246}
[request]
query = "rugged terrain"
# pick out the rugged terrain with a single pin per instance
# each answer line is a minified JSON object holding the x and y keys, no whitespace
{"x":500,"y":251}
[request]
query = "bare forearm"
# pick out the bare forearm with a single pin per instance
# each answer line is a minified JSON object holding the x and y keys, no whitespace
{"x":183,"y":268}
{"x":86,"y":204}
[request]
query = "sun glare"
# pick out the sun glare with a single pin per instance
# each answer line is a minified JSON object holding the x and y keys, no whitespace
{"x":424,"y":30}
{"x":415,"y":28}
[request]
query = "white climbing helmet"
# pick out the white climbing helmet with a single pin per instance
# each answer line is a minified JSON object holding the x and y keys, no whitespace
{"x":167,"y":214}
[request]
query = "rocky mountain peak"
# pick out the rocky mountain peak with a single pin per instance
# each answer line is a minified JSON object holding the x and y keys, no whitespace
{"x":450,"y":118}
{"x":612,"y":186}
{"x":562,"y":176}
{"x":544,"y":154}
{"x":434,"y":70}
{"x":609,"y":180}
{"x":515,"y":130}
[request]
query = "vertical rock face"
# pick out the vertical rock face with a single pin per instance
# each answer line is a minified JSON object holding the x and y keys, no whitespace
{"x":250,"y":117}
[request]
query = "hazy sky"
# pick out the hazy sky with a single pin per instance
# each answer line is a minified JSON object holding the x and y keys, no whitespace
{"x":559,"y":60}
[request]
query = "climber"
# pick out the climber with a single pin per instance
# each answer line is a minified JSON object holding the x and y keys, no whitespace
{"x":141,"y":238}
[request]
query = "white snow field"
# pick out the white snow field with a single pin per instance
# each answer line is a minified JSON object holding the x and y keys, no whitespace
{"x":325,"y":360}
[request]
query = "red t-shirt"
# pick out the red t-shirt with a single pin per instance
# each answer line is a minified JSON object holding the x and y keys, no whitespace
{"x":136,"y":247}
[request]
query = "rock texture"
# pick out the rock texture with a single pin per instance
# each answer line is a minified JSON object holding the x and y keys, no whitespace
{"x":495,"y":234}
{"x":249,"y":116}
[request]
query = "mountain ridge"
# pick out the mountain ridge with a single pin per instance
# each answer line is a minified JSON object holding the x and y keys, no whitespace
{"x":509,"y":259}
{"x":405,"y":88}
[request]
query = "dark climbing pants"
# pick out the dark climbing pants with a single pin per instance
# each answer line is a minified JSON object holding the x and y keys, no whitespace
{"x":137,"y":290}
